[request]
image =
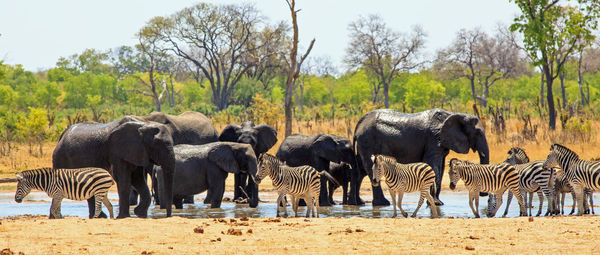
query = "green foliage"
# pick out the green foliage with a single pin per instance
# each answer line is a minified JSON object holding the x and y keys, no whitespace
{"x":422,"y":92}
{"x":262,"y":110}
{"x":33,"y":126}
{"x":577,"y":129}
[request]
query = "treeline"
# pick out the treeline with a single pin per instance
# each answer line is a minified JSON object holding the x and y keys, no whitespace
{"x":229,"y":60}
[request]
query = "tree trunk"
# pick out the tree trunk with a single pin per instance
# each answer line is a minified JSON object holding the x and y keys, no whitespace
{"x":485,"y":95}
{"x":580,"y":79}
{"x":291,"y":79}
{"x":472,"y":80}
{"x":562,"y":89}
{"x":550,"y":99}
{"x":542,"y":90}
{"x":386,"y":88}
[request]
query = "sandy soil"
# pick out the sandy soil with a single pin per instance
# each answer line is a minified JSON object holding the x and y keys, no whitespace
{"x":37,"y":235}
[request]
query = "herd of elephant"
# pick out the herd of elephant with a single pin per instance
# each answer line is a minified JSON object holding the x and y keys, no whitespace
{"x":186,"y":155}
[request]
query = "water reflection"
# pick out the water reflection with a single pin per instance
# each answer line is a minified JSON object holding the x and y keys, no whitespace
{"x":456,"y":205}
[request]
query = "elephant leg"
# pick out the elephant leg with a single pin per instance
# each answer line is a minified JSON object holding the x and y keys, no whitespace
{"x":139,"y":184}
{"x":237,"y":190}
{"x":345,"y":192}
{"x":323,"y":196}
{"x":436,"y":161}
{"x":188,"y":199}
{"x":155,"y":187}
{"x":252,"y":190}
{"x":356,"y":178}
{"x":123,"y":183}
{"x":331,"y":188}
{"x":133,"y":196}
{"x":178,"y":201}
{"x":217,"y":190}
{"x":208,"y":197}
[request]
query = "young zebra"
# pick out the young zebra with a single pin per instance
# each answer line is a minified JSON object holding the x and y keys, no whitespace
{"x":299,"y":182}
{"x":494,"y":179}
{"x":533,"y":178}
{"x":561,"y":187}
{"x":580,"y":173}
{"x":76,"y":184}
{"x":402,"y":178}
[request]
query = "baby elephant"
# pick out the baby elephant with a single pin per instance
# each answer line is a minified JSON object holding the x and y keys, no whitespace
{"x":76,"y":184}
{"x":402,"y":178}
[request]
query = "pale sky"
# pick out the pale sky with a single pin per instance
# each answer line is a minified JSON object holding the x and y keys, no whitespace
{"x":36,"y":33}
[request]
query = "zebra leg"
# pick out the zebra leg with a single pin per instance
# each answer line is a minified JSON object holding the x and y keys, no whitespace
{"x":585,"y":201}
{"x":55,"y":208}
{"x":472,"y":196}
{"x":316,"y":212}
{"x":574,"y":198}
{"x":562,"y":202}
{"x":591,"y":195}
{"x":580,"y":198}
{"x":400,"y":195}
{"x":421,"y":198}
{"x":541,"y":198}
{"x":280,"y":202}
{"x":432,"y":206}
{"x":98,"y":199}
{"x":295,"y":200}
{"x":498,"y":204}
{"x":393,"y":194}
{"x":529,"y":203}
{"x":508,"y":200}
{"x":108,"y":205}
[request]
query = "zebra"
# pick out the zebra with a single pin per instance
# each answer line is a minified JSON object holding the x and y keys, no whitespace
{"x":533,"y":178}
{"x":402,"y":178}
{"x":76,"y":184}
{"x":494,"y":179}
{"x":561,"y":187}
{"x":581,"y":174}
{"x":299,"y":182}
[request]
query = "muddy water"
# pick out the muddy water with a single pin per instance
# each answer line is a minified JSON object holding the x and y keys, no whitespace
{"x":456,"y":205}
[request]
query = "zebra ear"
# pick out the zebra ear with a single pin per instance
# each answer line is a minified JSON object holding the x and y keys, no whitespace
{"x":19,"y":177}
{"x":373,"y":158}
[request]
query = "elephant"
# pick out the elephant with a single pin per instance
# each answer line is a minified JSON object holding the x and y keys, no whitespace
{"x":261,"y":138}
{"x":124,"y":147}
{"x":205,"y":167}
{"x":186,"y":128}
{"x":414,"y":137}
{"x":342,"y":174}
{"x":316,"y":151}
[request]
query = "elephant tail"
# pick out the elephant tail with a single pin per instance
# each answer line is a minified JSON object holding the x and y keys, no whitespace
{"x":324,"y":172}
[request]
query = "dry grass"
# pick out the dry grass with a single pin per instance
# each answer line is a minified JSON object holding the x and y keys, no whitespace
{"x":546,"y":235}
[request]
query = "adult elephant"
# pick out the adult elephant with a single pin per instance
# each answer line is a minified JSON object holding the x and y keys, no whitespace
{"x":316,"y":151}
{"x":261,"y":138}
{"x":419,"y":137}
{"x":124,"y":147}
{"x":205,"y":167}
{"x":186,"y":128}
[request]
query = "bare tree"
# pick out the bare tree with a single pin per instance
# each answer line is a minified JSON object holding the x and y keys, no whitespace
{"x":482,"y":59}
{"x":266,"y":53}
{"x":294,"y":66}
{"x":382,"y":51}
{"x":215,"y":40}
{"x":588,"y":61}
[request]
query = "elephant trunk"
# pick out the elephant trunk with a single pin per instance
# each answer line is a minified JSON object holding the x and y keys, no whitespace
{"x":482,"y":148}
{"x":252,"y":170}
{"x":168,"y":171}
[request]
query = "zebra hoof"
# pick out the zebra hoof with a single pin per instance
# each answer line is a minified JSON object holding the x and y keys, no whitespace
{"x":438,"y":202}
{"x":414,"y":215}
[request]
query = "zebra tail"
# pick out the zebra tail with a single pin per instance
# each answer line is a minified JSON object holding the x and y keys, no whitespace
{"x":324,"y":172}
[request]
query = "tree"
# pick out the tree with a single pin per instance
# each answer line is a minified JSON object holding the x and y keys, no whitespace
{"x":215,"y":40}
{"x":551,"y":33}
{"x":382,"y":51}
{"x":481,"y":59}
{"x":294,"y":66}
{"x":588,"y":61}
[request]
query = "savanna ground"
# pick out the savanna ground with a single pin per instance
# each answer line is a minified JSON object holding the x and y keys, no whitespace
{"x":38,"y":235}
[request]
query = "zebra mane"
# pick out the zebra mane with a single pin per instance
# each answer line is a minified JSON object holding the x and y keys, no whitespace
{"x":270,"y":158}
{"x":385,"y":158}
{"x":460,"y":162}
{"x":517,"y":150}
{"x":31,"y":172}
{"x":564,"y":150}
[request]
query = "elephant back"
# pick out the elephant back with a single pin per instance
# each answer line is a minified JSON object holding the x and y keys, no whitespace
{"x":187,"y":128}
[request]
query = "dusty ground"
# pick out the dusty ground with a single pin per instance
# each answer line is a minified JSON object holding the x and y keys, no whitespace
{"x":37,"y":235}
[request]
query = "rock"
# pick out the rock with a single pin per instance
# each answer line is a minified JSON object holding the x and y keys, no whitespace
{"x":199,"y":230}
{"x":469,"y":248}
{"x":234,"y":232}
{"x":244,"y":218}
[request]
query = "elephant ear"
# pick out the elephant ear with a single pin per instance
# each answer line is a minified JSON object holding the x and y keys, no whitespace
{"x":452,"y":134}
{"x":126,"y":143}
{"x":325,"y":147}
{"x":230,"y":133}
{"x":223,"y":156}
{"x":267,"y":137}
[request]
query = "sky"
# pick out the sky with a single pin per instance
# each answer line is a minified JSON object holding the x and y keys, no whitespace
{"x":36,"y":33}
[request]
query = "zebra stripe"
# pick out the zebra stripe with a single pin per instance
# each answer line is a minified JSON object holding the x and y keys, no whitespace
{"x":401,"y":178}
{"x":299,"y":182}
{"x":75,"y":184}
{"x":581,"y":174}
{"x":561,"y":187}
{"x":494,"y":179}
{"x":533,"y":178}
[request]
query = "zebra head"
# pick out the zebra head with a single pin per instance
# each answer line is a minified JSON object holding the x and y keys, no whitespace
{"x":377,"y":169}
{"x":516,"y":155}
{"x":266,"y":164}
{"x":552,"y":158}
{"x":453,"y":172}
{"x":23,"y":188}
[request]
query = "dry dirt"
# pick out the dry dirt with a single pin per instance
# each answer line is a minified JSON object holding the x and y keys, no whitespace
{"x":38,"y":235}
